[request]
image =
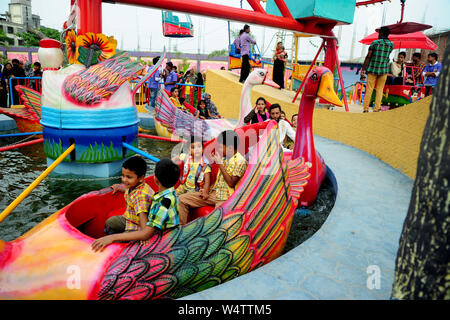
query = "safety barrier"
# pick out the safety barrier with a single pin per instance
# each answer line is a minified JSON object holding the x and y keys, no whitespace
{"x":192,"y":93}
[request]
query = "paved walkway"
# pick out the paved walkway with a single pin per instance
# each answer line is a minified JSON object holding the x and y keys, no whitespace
{"x":362,"y":230}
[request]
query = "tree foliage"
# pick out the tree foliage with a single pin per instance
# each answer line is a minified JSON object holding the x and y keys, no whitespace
{"x":32,"y":40}
{"x":4,"y":39}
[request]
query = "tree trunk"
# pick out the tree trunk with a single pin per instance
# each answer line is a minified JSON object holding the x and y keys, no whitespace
{"x":423,"y":258}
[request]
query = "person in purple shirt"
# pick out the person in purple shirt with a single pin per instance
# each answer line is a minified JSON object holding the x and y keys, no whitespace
{"x":171,"y":77}
{"x":245,"y":41}
{"x":431,"y":73}
{"x":237,"y":43}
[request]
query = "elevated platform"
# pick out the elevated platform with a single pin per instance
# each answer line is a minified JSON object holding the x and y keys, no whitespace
{"x":392,"y":136}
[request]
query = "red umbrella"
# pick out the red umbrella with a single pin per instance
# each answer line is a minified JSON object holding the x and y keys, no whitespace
{"x":415,"y":40}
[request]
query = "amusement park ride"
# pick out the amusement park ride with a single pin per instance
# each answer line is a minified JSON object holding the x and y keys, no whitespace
{"x":89,"y":120}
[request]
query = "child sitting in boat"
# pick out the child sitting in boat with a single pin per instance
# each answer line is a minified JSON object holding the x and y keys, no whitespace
{"x":203,"y":111}
{"x":137,"y":196}
{"x":196,"y":171}
{"x":163,"y":213}
{"x":232,"y":166}
{"x":174,"y":97}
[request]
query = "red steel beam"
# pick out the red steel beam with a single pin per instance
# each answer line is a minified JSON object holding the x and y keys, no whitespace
{"x":283,"y":9}
{"x":230,"y":13}
{"x":23,"y":144}
{"x":365,"y":3}
{"x":256,"y":6}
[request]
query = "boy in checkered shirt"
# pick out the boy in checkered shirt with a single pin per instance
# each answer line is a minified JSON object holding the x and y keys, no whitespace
{"x":163,"y":212}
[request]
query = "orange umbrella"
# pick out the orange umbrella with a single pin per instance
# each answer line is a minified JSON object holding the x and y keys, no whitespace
{"x":415,"y":40}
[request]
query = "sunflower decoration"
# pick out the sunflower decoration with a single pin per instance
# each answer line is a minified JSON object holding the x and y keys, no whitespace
{"x":71,"y":47}
{"x":95,"y":47}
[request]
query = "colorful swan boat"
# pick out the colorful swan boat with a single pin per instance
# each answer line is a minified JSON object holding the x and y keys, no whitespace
{"x":170,"y":122}
{"x":54,"y":259}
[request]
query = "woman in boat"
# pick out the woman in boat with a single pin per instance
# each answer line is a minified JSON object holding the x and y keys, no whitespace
{"x":279,"y":61}
{"x":259,"y":113}
{"x":212,"y":109}
{"x":174,"y":97}
{"x":203,"y":112}
{"x":395,"y":77}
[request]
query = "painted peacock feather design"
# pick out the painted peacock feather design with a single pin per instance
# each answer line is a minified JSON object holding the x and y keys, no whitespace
{"x":249,"y":230}
{"x":90,"y":86}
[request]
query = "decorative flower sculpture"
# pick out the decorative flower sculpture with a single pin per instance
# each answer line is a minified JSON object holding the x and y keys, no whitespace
{"x":71,"y":45}
{"x":95,"y":47}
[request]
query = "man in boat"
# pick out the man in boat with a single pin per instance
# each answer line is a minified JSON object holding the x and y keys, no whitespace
{"x":416,"y":73}
{"x":376,"y":65}
{"x":284,"y":127}
{"x":431,"y":72}
{"x":245,"y":41}
{"x":232,"y":166}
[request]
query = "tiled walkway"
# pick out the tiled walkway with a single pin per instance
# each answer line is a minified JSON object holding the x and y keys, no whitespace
{"x":359,"y":238}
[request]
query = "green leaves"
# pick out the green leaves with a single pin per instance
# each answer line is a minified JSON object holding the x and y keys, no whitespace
{"x":88,"y":57}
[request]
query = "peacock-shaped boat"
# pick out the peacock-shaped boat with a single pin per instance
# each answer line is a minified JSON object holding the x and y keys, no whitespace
{"x":54,"y":260}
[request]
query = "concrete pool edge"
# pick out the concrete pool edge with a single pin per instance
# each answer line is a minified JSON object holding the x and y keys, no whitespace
{"x":352,"y":256}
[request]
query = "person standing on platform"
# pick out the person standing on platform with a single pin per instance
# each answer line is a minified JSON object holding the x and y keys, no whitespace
{"x":245,"y":41}
{"x":154,"y":83}
{"x":279,"y":61}
{"x":377,"y":66}
{"x":171,"y":77}
{"x":237,"y":42}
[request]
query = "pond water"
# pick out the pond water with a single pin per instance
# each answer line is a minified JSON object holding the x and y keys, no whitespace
{"x":19,"y":168}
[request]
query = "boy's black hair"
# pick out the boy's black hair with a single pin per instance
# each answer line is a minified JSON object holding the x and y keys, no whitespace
{"x":155,"y":60}
{"x":246,"y":27}
{"x":384,"y":31}
{"x":37,"y":64}
{"x":136,"y":164}
{"x":403,"y":53}
{"x":274,"y":106}
{"x":241,"y":31}
{"x":15,"y":61}
{"x":434,"y":55}
{"x":417,"y":54}
{"x":170,"y":64}
{"x":167,"y":172}
{"x":229,"y":138}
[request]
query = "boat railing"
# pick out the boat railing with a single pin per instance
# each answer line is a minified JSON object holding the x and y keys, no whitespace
{"x":34,"y":83}
{"x":192,"y":93}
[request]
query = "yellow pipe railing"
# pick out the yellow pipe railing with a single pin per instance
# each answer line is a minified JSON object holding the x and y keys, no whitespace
{"x":38,"y":180}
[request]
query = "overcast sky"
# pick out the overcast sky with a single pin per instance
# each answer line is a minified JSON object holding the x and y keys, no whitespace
{"x":133,"y":26}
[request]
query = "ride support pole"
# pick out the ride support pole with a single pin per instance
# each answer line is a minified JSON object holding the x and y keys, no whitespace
{"x":19,"y":145}
{"x":148,"y":136}
{"x":140,"y":152}
{"x":307,"y":73}
{"x":34,"y":184}
{"x":19,"y":134}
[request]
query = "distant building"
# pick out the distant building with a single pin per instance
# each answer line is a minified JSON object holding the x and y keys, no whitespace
{"x":18,"y":19}
{"x":441,"y":40}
